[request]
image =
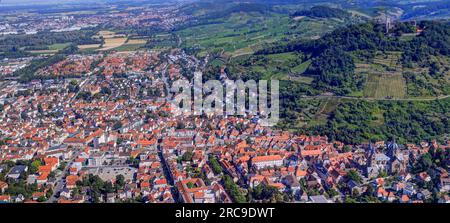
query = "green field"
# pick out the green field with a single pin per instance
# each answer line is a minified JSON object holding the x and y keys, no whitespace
{"x":325,"y":108}
{"x":301,"y":79}
{"x":276,"y":65}
{"x":51,"y":49}
{"x":300,"y":69}
{"x":129,"y":47}
{"x":58,"y":46}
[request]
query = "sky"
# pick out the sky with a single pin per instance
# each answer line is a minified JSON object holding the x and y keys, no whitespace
{"x":31,"y":1}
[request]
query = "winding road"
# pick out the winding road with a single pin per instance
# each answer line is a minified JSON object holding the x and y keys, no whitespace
{"x":375,"y":99}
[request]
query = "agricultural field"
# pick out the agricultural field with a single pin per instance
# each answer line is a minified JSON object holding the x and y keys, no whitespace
{"x":301,"y":68}
{"x":384,"y":76}
{"x":273,"y":66}
{"x":136,"y":41}
{"x":301,"y":79}
{"x":111,"y":41}
{"x":132,"y":45}
{"x":387,"y":78}
{"x":89,"y":46}
{"x":128,"y":47}
{"x":243,"y":51}
{"x":52,"y":49}
{"x":244,"y":33}
{"x":106,"y":34}
{"x":390,"y":85}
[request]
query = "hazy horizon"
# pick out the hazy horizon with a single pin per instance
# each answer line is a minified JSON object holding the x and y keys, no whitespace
{"x":41,"y":2}
{"x":34,"y":2}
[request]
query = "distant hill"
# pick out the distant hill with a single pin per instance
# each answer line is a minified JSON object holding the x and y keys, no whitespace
{"x":323,"y":12}
{"x":37,"y":2}
{"x":219,"y":9}
{"x":411,"y":9}
{"x":427,"y":10}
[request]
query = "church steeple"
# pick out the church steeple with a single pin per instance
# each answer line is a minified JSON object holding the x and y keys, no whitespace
{"x":370,"y":153}
{"x":392,"y":149}
{"x":371,"y":149}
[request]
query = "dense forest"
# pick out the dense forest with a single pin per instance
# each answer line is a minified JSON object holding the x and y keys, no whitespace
{"x":357,"y":121}
{"x":15,"y":46}
{"x":433,"y":41}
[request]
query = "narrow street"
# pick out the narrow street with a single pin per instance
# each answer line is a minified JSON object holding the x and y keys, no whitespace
{"x":61,"y":178}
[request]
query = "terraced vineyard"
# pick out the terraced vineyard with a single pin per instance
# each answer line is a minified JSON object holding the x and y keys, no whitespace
{"x":384,"y":77}
{"x":390,"y":85}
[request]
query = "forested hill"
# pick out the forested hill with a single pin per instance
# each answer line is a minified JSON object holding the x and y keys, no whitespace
{"x":372,"y":36}
{"x":386,"y":74}
{"x":323,"y":12}
{"x":333,"y":56}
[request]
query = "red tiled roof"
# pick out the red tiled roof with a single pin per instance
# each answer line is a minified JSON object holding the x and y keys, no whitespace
{"x":266,"y":158}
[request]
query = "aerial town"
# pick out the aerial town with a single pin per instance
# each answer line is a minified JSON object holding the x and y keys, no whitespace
{"x":91,"y":121}
{"x":31,"y":24}
{"x":111,"y":137}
